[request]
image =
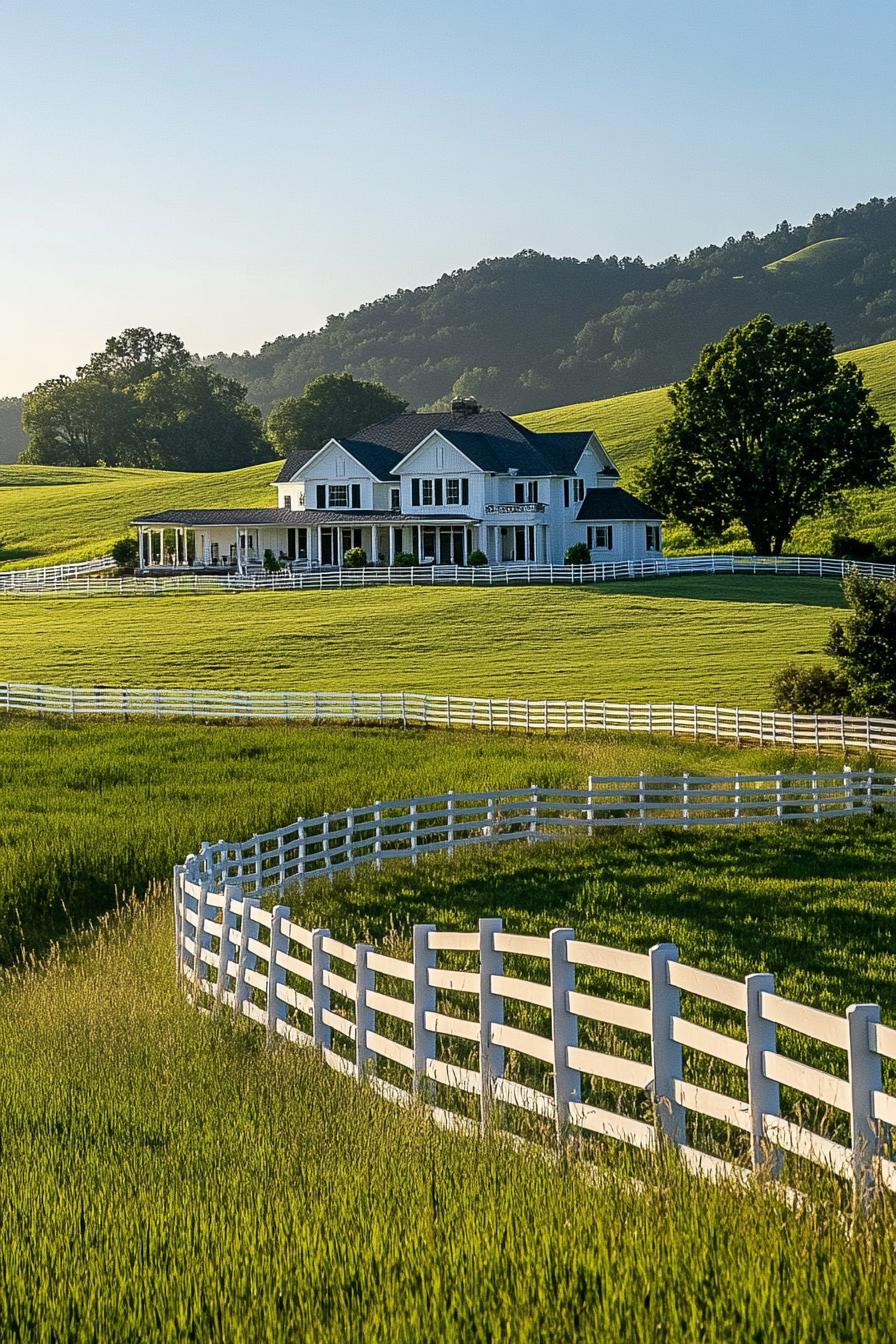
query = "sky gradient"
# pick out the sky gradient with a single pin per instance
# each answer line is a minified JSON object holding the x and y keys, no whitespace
{"x":232,"y":172}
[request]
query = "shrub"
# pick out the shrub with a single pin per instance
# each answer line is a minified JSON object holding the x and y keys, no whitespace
{"x":864,"y":644}
{"x":810,"y":690}
{"x":851,"y":548}
{"x":126,"y":553}
{"x":355,"y":558}
{"x":477,"y":558}
{"x":405,"y":559}
{"x":271,"y":564}
{"x":577,"y":554}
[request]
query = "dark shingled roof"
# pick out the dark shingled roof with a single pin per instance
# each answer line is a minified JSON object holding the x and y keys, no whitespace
{"x":290,"y":518}
{"x":614,"y":505}
{"x":294,"y":462}
{"x":491,"y":440}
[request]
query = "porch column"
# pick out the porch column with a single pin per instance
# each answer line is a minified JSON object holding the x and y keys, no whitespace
{"x":419,"y":544}
{"x":320,"y":545}
{"x":391,"y":545}
{"x":239,"y":554}
{"x":374,"y":537}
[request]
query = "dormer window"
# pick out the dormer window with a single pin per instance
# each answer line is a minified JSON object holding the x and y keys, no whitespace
{"x":287,"y":501}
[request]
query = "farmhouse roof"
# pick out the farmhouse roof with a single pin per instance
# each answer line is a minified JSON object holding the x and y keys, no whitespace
{"x":490,"y":439}
{"x":289,"y":518}
{"x":615,"y":505}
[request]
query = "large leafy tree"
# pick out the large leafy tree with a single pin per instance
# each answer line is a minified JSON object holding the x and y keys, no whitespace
{"x":142,"y":401}
{"x":768,"y":429}
{"x":864,"y":645}
{"x":335,"y":405}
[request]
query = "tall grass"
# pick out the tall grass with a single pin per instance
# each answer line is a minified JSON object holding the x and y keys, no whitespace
{"x":167,"y":1177}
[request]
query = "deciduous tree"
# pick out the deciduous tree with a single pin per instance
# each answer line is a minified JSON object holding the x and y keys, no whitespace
{"x":768,"y":429}
{"x":335,"y":405}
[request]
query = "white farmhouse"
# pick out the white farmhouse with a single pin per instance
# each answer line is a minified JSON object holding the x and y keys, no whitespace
{"x":437,"y":485}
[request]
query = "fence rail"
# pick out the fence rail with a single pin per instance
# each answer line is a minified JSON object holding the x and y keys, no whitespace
{"x":50,"y":576}
{"x":81,"y":584}
{"x":716,"y":723}
{"x":458,"y":1023}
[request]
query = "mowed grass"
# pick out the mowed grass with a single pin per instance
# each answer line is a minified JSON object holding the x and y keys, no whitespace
{"x":49,"y":515}
{"x":174,"y":1179}
{"x":93,"y":810}
{"x":710,"y":639}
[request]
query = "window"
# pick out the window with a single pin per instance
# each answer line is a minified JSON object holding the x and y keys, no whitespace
{"x":452,"y":492}
{"x":437,"y":492}
{"x":578,"y":490}
{"x":337,"y":496}
{"x":653,"y":537}
{"x":340,"y":466}
{"x":287,"y":502}
{"x":395,"y":496}
{"x":526,"y":492}
{"x":566,"y":494}
{"x":427,"y":493}
{"x":600,"y":538}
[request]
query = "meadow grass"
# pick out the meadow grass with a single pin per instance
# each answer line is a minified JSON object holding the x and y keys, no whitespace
{"x":710,"y":639}
{"x":49,"y":515}
{"x":175,"y":1179}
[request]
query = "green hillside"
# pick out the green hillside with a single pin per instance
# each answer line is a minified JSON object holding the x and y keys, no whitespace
{"x":53,"y":514}
{"x":814,"y":255}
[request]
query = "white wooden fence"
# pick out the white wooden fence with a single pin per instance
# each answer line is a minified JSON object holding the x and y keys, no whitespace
{"x":83,"y":585}
{"x":484,"y":1025}
{"x":51,"y":577}
{"x":716,"y":723}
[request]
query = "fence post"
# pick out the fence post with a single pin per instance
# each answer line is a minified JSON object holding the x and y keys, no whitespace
{"x":564,"y":1028}
{"x":779,"y":796}
{"x":424,"y":1002}
{"x":865,"y":1078}
{"x":413,"y":827}
{"x":642,"y":800}
{"x":848,"y":793}
{"x":178,"y":890}
{"x":491,"y":1013}
{"x":869,"y":795}
{"x":232,"y":892}
{"x":533,"y":812}
{"x":665,"y":1004}
{"x":450,"y":821}
{"x":320,"y":992}
{"x":685,"y":809}
{"x":276,"y":1008}
{"x":248,"y":929}
{"x":365,"y":1017}
{"x":378,"y":833}
{"x":202,"y":941}
{"x":816,"y":805}
{"x":764,"y":1094}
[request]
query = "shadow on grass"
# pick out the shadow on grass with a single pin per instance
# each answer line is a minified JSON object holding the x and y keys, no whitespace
{"x":758,"y":590}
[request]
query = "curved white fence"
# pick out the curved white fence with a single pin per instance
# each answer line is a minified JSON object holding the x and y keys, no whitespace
{"x":50,"y":577}
{"x":459,"y":1023}
{"x":82,"y":585}
{"x":715,"y":723}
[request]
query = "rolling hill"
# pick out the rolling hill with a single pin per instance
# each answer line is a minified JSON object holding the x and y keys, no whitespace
{"x":53,"y":514}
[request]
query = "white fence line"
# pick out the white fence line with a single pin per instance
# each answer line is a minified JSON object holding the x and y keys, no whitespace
{"x":82,"y":585}
{"x":716,"y":723}
{"x":50,"y":576}
{"x":400,"y":1023}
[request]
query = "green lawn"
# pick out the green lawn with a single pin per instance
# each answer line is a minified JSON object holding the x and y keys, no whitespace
{"x":809,"y":255}
{"x":711,"y":639}
{"x":54,"y":514}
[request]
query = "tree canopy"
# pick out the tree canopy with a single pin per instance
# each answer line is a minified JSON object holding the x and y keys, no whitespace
{"x":335,"y":405}
{"x":143,"y":401}
{"x":864,"y":645}
{"x":768,"y":429}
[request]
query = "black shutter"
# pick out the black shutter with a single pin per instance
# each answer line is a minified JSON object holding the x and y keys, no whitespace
{"x":464,"y":491}
{"x":415,"y":491}
{"x":439,"y":492}
{"x":609,"y":538}
{"x":566,"y":494}
{"x":356,"y":496}
{"x":519,"y":492}
{"x":321,"y":496}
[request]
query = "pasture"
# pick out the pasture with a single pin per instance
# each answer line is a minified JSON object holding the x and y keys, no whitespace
{"x":710,"y":639}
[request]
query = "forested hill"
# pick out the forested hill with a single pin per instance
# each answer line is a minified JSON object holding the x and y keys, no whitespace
{"x":534,"y":330}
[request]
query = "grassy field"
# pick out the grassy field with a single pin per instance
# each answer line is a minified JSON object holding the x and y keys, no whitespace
{"x":175,"y":1180}
{"x":92,"y":811}
{"x":711,"y":639}
{"x":54,"y":514}
{"x":815,"y":252}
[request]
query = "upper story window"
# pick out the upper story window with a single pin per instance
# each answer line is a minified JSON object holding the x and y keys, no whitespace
{"x":287,"y":501}
{"x":395,"y":499}
{"x":338,"y":496}
{"x":653,"y":537}
{"x":573,"y":490}
{"x":525,"y":492}
{"x":437,"y":491}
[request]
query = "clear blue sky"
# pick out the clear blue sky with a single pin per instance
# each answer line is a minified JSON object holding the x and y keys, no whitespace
{"x":234,"y":171}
